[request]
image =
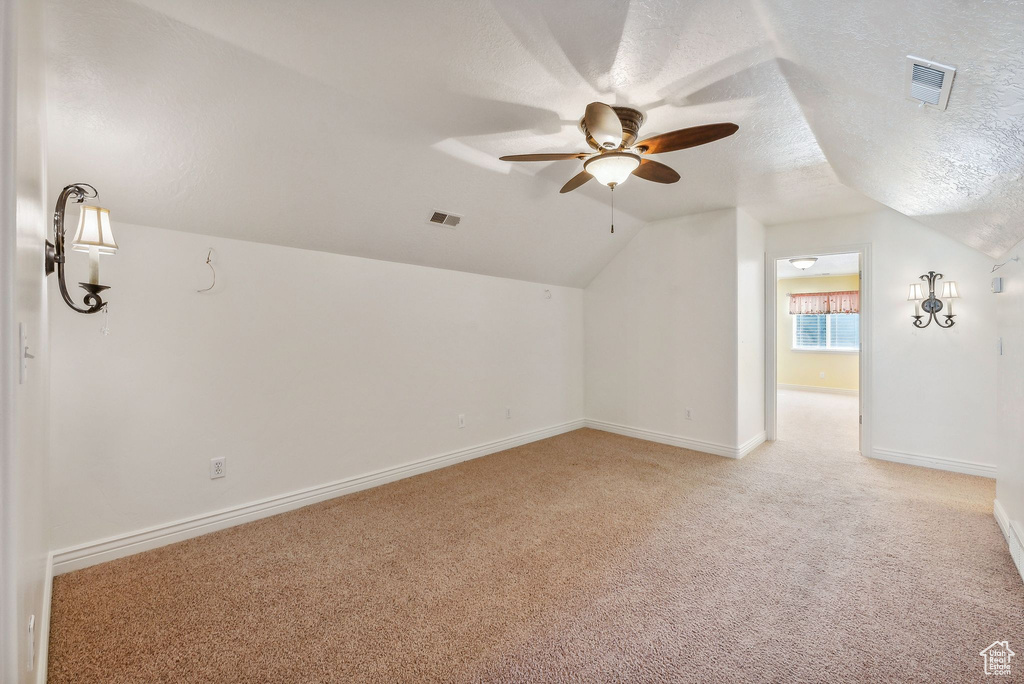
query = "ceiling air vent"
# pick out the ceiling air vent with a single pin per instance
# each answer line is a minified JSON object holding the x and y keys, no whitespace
{"x":442,"y":218}
{"x":929,"y":82}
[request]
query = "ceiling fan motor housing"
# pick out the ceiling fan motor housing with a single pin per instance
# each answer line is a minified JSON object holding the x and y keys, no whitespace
{"x":631,"y":120}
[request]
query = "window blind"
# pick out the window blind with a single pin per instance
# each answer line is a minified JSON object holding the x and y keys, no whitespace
{"x":826,"y":332}
{"x":810,"y":331}
{"x":844,"y":331}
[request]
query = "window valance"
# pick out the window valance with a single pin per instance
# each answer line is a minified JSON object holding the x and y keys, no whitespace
{"x":825,"y":302}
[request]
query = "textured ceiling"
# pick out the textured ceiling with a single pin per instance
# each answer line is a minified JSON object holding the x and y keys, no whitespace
{"x":959,"y":170}
{"x":340,"y":126}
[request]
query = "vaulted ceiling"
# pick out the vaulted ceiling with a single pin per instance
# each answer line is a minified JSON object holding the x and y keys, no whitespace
{"x":340,"y":126}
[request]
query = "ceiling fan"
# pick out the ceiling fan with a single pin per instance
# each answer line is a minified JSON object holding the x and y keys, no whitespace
{"x":612,"y":132}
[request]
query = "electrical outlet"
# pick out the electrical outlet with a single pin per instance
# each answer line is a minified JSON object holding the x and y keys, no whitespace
{"x":462,"y":420}
{"x":218,"y":467}
{"x":508,"y":413}
{"x":689,"y":414}
{"x":821,"y":375}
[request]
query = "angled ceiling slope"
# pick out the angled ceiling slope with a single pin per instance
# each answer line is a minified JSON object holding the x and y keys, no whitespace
{"x":341,"y":126}
{"x":958,"y":170}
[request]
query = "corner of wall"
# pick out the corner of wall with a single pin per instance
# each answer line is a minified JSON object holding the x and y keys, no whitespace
{"x":1010,"y":400}
{"x":646,"y":363}
{"x":26,"y":399}
{"x":750,"y":329}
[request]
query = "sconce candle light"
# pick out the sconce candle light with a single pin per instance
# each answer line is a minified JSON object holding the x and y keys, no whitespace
{"x":93,"y":236}
{"x":916,"y":297}
{"x":932,"y":305}
{"x":949,"y":293}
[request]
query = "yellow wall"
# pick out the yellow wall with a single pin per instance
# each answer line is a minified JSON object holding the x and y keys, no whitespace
{"x":804,"y":368}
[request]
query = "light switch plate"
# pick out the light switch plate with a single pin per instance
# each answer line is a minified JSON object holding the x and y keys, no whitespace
{"x":31,"y":642}
{"x":23,"y":355}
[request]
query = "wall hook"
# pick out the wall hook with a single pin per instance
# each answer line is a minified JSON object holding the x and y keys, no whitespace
{"x":999,"y":266}
{"x":209,"y":262}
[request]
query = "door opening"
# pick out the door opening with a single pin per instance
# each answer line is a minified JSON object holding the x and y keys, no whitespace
{"x":815,"y":337}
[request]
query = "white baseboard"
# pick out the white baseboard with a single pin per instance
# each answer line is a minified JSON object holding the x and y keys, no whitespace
{"x":951,"y":464}
{"x":751,"y":444}
{"x":684,"y":442}
{"x":43,"y":654}
{"x":1014,"y":534}
{"x":1004,"y":520}
{"x":92,"y":553}
{"x":811,"y":388}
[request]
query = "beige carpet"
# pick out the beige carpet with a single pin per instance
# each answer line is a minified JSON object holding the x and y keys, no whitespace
{"x":586,"y":557}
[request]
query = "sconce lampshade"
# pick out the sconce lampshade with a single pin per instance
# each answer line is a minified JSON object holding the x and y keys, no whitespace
{"x":94,"y":231}
{"x":949,"y":290}
{"x":915,"y":293}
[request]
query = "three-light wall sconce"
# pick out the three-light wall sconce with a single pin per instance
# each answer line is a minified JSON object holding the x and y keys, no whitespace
{"x":93,"y":236}
{"x":932,"y":305}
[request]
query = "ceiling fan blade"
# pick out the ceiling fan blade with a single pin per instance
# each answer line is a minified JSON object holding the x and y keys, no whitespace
{"x":576,"y":181}
{"x":603,"y":125}
{"x":655,"y":171}
{"x":686,"y":137}
{"x":544,"y":157}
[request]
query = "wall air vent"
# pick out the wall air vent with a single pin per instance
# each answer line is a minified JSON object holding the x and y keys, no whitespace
{"x":928,"y":83}
{"x":443,"y":218}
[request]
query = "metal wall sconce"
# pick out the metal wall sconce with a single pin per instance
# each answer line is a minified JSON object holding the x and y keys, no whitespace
{"x":932,"y":305}
{"x":93,"y":236}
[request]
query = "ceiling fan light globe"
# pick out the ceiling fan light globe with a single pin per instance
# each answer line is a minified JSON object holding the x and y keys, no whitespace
{"x":612,"y":168}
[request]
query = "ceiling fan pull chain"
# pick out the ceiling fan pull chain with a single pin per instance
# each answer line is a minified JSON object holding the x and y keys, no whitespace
{"x":613,"y":209}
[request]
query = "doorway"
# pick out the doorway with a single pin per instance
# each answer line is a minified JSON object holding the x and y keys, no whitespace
{"x":816,"y":334}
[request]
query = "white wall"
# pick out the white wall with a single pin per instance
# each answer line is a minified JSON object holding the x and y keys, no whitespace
{"x":750,"y":245}
{"x":301,"y":367}
{"x":1010,"y":474}
{"x":305,"y":368}
{"x":25,"y":408}
{"x":664,"y":332}
{"x":932,"y":389}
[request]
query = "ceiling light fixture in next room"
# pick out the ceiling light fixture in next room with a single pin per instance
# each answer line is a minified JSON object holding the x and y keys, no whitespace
{"x":803,"y":263}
